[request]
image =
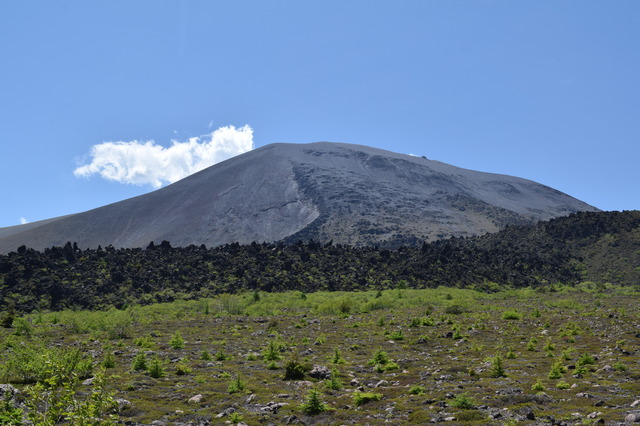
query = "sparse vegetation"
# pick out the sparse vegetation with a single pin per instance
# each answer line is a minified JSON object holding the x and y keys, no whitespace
{"x":429,"y":363}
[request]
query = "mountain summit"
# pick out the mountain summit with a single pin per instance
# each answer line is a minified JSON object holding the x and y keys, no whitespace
{"x":344,"y":193}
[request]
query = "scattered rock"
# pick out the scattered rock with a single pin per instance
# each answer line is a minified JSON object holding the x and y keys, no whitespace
{"x":9,"y":393}
{"x":526,"y":413}
{"x":94,"y":353}
{"x":226,"y":412}
{"x":320,"y":372}
{"x":425,"y":375}
{"x":123,"y":404}
{"x":631,"y":418}
{"x":509,"y":391}
{"x":381,"y":383}
{"x":584,"y":395}
{"x":635,"y":403}
{"x":197,"y":399}
{"x":272,"y":406}
{"x":251,"y":398}
{"x":599,"y":403}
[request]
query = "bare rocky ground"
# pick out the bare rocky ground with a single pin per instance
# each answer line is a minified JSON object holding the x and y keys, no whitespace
{"x":452,"y":356}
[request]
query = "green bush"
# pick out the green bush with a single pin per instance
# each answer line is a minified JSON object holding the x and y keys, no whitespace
{"x":294,"y":370}
{"x":139,"y":362}
{"x":511,"y":315}
{"x":32,"y":361}
{"x":557,"y":370}
{"x":417,"y":390}
{"x":221,"y":356}
{"x":313,"y":404}
{"x":361,"y":398}
{"x":620,"y":366}
{"x":232,"y":304}
{"x":236,"y":385}
{"x":272,"y":351}
{"x":463,"y":401}
{"x":55,"y":401}
{"x":143,"y":342}
{"x":109,"y":361}
{"x":538,"y":386}
{"x":531,"y":345}
{"x":9,"y":413}
{"x":176,"y":342}
{"x":396,"y":335}
{"x":7,"y":318}
{"x":155,"y":369}
{"x":22,"y":327}
{"x":379,"y":357}
{"x":586,"y":360}
{"x":454,"y":310}
{"x":235,"y":418}
{"x":182,"y":368}
{"x":497,"y":368}
{"x":334,"y":381}
{"x":337,"y":357}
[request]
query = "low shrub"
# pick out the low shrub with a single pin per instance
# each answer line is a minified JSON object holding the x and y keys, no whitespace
{"x":361,"y":398}
{"x":313,"y":404}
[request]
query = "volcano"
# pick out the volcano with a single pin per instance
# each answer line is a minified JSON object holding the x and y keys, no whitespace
{"x":347,"y":194}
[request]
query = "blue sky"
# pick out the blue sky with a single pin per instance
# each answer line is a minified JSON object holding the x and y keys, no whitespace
{"x":545,"y":90}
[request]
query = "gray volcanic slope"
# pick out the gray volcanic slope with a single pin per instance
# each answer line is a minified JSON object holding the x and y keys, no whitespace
{"x":350,"y":194}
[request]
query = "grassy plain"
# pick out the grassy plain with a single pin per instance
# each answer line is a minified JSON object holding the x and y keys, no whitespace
{"x":399,"y":356}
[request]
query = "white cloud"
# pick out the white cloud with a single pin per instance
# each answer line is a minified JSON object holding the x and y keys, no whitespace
{"x":23,"y":221}
{"x":146,"y":163}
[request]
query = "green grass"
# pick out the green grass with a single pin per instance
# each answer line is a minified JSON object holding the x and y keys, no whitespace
{"x":227,"y":357}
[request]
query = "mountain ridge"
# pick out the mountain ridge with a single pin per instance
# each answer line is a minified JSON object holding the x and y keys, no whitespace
{"x":350,"y":194}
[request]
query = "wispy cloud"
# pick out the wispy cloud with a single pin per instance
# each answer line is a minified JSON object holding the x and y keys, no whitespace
{"x":23,"y":221}
{"x":146,"y":163}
